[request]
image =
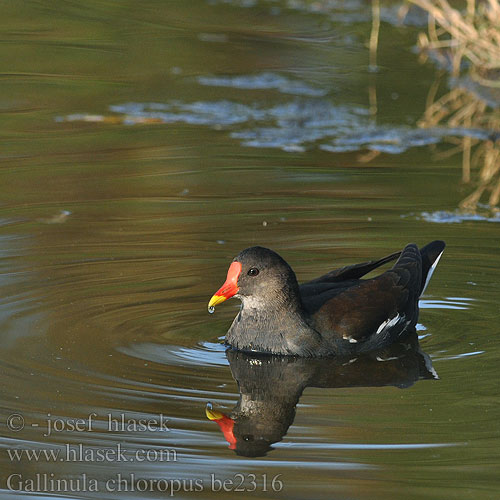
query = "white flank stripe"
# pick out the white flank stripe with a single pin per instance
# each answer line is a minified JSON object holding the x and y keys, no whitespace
{"x":388,"y":323}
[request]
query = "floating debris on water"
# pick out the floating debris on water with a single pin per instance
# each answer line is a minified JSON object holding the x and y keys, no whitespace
{"x":59,"y":218}
{"x":457,"y":216}
{"x":212,"y":37}
{"x":263,"y":81}
{"x":310,"y":119}
{"x":292,"y":127}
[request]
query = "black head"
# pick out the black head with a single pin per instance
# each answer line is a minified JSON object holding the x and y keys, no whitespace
{"x":263,"y":274}
{"x":258,"y":276}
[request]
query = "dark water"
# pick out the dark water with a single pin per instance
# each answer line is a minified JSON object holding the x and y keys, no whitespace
{"x":144,"y":144}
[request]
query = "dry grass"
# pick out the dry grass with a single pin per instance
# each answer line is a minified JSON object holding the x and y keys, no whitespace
{"x":460,"y":108}
{"x":472,"y":34}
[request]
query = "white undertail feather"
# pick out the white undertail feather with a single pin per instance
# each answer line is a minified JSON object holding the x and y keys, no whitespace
{"x":388,"y":323}
{"x":392,"y":358}
{"x":431,"y":270}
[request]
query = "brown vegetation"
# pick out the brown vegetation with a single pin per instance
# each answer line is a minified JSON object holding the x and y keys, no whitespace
{"x":471,"y":36}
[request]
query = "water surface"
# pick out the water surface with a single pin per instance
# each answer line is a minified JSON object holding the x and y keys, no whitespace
{"x":144,"y":145}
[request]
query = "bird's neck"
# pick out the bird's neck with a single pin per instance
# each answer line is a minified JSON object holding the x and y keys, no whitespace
{"x":278,"y":326}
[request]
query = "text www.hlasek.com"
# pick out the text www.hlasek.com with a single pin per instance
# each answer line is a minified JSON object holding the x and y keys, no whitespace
{"x":81,"y":453}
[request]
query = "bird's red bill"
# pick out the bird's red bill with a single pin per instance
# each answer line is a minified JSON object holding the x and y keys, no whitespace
{"x":225,"y":423}
{"x":230,"y":286}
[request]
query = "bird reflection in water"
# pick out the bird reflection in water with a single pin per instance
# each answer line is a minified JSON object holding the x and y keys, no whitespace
{"x":270,"y":388}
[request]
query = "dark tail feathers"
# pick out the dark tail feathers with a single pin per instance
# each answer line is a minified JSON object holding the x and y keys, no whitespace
{"x":427,"y":258}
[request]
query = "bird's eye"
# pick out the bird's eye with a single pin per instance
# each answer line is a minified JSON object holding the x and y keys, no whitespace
{"x":253,"y":271}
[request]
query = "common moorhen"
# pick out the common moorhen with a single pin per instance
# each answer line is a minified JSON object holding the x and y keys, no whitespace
{"x":336,"y":314}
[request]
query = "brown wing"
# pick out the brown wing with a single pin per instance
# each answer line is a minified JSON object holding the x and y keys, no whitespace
{"x":316,"y":292}
{"x":368,"y":307}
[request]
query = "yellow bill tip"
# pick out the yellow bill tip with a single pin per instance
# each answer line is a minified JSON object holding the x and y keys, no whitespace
{"x":215,"y":300}
{"x":213,"y":414}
